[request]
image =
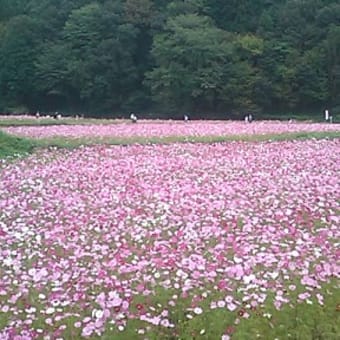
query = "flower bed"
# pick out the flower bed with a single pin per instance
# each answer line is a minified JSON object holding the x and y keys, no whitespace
{"x":142,"y":239}
{"x":166,"y":129}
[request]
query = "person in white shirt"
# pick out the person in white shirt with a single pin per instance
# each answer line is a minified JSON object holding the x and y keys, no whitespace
{"x":133,"y":118}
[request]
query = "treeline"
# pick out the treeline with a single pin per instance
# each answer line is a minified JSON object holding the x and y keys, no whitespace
{"x":201,"y":56}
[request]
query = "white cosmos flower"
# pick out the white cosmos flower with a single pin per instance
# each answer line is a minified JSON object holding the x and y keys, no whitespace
{"x":99,"y":313}
{"x":198,"y":310}
{"x":50,"y":310}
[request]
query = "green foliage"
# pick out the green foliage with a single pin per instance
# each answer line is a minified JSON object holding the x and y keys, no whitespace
{"x":18,"y":47}
{"x":10,"y":8}
{"x":235,"y":15}
{"x":207,"y":56}
{"x":14,"y":146}
{"x":52,"y":75}
{"x":332,"y":45}
{"x":92,"y":65}
{"x":296,"y":320}
{"x":311,"y":80}
{"x":139,"y":12}
{"x":191,"y":56}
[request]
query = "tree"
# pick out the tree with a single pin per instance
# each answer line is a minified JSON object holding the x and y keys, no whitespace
{"x":278,"y":63}
{"x":11,"y":8}
{"x":200,"y":55}
{"x":332,"y":45}
{"x":93,"y":60}
{"x":244,"y":78}
{"x":18,"y":50}
{"x":52,"y":79}
{"x":311,"y":79}
{"x":139,"y":12}
{"x":237,"y":16}
{"x":190,"y":60}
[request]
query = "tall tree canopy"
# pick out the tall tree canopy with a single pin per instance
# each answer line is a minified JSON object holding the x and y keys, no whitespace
{"x":205,"y":56}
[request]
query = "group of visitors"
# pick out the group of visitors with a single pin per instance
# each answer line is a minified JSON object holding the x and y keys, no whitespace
{"x":248,"y":118}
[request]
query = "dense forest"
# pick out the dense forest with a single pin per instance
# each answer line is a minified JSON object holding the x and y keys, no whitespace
{"x":206,"y":57}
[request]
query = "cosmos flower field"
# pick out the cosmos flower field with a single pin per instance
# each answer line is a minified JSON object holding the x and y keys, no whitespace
{"x":166,"y":241}
{"x":162,"y":129}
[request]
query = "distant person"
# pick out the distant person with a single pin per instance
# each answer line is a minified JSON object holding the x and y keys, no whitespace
{"x":133,"y":118}
{"x":246,"y":119}
{"x":57,"y":115}
{"x":186,"y":118}
{"x":326,"y":115}
{"x":37,"y":115}
{"x":250,"y":117}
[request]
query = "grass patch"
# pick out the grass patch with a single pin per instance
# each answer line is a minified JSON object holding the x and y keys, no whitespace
{"x":61,"y":142}
{"x":12,"y":146}
{"x":48,"y":121}
{"x":6,"y":122}
{"x":15,"y":146}
{"x":296,"y":320}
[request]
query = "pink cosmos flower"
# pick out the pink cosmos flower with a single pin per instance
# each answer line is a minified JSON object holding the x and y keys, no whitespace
{"x":85,"y":227}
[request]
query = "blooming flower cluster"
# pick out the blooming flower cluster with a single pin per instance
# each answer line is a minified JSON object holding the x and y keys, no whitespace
{"x":90,"y":237}
{"x":161,"y":129}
